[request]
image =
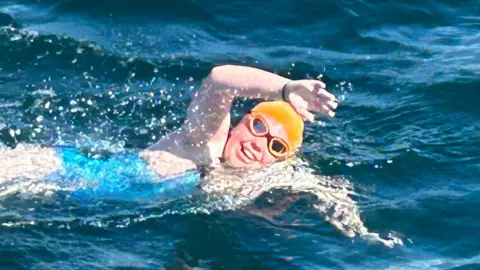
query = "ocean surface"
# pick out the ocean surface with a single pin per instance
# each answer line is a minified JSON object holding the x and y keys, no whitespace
{"x":110,"y":75}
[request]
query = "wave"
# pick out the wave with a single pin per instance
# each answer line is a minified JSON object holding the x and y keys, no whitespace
{"x":51,"y":78}
{"x":57,"y":52}
{"x":8,"y":20}
{"x":182,"y":10}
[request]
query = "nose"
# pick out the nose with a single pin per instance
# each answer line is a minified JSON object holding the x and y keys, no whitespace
{"x":259,"y":145}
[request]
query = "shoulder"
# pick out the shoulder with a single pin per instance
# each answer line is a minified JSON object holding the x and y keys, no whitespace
{"x":165,"y":163}
{"x":28,"y":161}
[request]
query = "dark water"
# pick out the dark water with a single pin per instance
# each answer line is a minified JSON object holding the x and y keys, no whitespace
{"x":89,"y":73}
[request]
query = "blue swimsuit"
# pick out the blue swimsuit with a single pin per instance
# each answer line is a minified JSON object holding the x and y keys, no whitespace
{"x":122,"y":177}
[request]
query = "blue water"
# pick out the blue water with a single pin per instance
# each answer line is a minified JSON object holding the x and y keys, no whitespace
{"x":114,"y":75}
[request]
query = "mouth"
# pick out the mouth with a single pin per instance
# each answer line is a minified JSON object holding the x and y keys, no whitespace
{"x":248,"y":154}
{"x":245,"y":155}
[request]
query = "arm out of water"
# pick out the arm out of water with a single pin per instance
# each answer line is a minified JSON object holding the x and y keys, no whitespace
{"x":202,"y":137}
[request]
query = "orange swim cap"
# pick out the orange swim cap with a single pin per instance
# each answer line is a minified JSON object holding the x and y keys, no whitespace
{"x":283,"y":113}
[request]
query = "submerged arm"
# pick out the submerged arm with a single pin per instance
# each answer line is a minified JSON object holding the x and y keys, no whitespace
{"x":335,"y":204}
{"x":333,"y":195}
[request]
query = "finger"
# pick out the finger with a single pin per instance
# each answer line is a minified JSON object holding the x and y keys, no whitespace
{"x":306,"y":114}
{"x":310,"y":87}
{"x":325,"y":94}
{"x":332,"y":104}
{"x":322,"y":108}
{"x":328,"y":111}
{"x":320,"y":84}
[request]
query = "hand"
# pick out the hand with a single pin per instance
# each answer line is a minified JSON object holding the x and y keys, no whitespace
{"x":308,"y":96}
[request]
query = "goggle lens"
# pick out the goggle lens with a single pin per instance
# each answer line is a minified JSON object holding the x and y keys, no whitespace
{"x":259,"y":126}
{"x":277,"y":146}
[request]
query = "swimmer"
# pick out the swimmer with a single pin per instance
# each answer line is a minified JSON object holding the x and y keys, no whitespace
{"x":254,"y":157}
{"x":270,"y":132}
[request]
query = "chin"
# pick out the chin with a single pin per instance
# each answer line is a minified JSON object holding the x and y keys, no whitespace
{"x":241,"y":165}
{"x":231,"y":157}
{"x":234,"y":161}
{"x":237,"y":165}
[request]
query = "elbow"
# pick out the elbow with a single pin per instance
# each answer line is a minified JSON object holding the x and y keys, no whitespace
{"x":221,"y":69}
{"x":220,"y":74}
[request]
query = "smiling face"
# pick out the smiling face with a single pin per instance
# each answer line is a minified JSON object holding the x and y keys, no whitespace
{"x":244,"y":149}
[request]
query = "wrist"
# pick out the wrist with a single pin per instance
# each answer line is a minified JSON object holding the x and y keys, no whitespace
{"x":285,"y":91}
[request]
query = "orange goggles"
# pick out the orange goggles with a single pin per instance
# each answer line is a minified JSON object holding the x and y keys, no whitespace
{"x":277,"y":146}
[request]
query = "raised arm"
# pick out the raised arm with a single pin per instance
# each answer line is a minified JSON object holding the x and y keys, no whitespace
{"x":208,"y":115}
{"x":228,"y":82}
{"x":212,"y":103}
{"x":247,"y":81}
{"x":209,"y":112}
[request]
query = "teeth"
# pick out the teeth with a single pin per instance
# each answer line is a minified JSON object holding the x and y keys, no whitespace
{"x":248,"y":154}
